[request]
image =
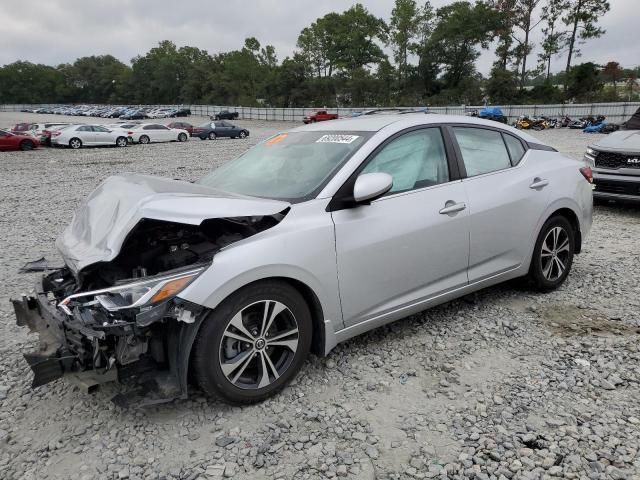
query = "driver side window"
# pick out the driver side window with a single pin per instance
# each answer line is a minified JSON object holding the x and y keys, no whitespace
{"x":415,"y":160}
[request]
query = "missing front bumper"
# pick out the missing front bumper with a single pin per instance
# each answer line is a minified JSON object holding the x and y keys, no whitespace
{"x":84,"y":353}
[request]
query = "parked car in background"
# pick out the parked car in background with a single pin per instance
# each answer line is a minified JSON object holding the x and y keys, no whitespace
{"x":123,"y":125}
{"x":221,"y":128}
{"x":17,"y":141}
{"x":180,"y":112}
{"x":20,"y":127}
{"x":320,"y":116}
{"x":615,"y":160}
{"x":182,"y":126}
{"x":225,"y":115}
{"x":78,"y":136}
{"x":154,"y":132}
{"x":310,"y":238}
{"x":45,"y":135}
{"x":135,"y":115}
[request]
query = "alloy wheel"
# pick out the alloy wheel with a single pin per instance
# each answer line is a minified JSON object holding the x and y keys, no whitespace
{"x":259,"y":344}
{"x":556,"y":250}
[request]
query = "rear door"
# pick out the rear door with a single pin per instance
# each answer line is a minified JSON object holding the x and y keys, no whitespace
{"x":506,"y":198}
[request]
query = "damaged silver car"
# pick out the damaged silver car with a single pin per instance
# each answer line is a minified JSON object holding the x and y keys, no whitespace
{"x":308,"y":239}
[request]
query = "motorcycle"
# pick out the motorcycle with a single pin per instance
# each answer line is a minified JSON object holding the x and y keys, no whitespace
{"x":565,"y":121}
{"x":523,"y":123}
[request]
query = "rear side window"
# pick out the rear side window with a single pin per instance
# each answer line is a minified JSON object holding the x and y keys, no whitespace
{"x":516,"y":150}
{"x":483,"y":151}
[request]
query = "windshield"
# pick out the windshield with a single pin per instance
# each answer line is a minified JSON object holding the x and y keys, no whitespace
{"x":289,"y":166}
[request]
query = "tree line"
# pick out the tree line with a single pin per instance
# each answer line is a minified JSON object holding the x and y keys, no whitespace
{"x":419,"y":56}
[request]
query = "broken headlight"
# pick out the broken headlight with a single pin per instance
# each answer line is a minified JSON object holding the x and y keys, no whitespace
{"x":140,"y":293}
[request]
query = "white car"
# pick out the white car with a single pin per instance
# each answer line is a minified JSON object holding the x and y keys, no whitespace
{"x":154,"y":132}
{"x":77,"y":136}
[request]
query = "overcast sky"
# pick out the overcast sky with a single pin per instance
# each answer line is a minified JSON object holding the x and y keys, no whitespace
{"x":59,"y":31}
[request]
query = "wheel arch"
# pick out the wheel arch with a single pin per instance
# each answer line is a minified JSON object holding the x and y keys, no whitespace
{"x":184,"y":335}
{"x":571,"y":216}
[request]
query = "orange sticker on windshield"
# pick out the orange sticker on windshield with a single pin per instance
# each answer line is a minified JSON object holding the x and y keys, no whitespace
{"x":276,"y":139}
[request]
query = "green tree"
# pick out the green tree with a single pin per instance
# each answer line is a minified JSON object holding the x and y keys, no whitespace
{"x":505,"y":10}
{"x":613,"y":72}
{"x":502,"y":86}
{"x":582,"y":17}
{"x":523,"y":11}
{"x":584,"y":82}
{"x":552,"y":38}
{"x":461,"y":29}
{"x":403,"y":28}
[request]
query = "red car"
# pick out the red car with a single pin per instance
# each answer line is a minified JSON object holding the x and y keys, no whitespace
{"x":320,"y":116}
{"x":183,"y":125}
{"x":14,"y":141}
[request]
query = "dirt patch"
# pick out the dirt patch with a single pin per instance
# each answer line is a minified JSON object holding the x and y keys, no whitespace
{"x":570,"y":320}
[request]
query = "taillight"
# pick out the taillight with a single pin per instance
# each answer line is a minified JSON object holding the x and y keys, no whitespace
{"x":55,"y":134}
{"x":587,"y":173}
{"x":129,"y":133}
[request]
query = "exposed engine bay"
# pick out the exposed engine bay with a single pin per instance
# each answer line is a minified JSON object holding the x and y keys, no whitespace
{"x":124,"y":315}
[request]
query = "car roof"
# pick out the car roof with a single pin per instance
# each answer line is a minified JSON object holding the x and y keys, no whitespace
{"x":374,"y":123}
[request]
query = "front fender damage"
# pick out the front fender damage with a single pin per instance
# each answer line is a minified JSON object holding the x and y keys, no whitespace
{"x":122,"y":319}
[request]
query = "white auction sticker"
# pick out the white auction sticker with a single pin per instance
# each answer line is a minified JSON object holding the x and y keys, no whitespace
{"x":337,"y":138}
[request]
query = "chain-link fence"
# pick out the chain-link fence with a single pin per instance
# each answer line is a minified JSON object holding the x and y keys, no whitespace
{"x":615,"y":112}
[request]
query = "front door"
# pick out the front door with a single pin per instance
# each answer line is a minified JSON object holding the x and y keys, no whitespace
{"x":409,"y":245}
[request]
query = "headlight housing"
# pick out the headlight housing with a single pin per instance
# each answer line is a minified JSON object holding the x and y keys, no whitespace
{"x":140,"y":293}
{"x":590,"y":156}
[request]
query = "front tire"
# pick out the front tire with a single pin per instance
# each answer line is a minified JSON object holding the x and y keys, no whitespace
{"x":212,"y":136}
{"x":243,"y":134}
{"x":26,"y":145}
{"x":253,"y":343}
{"x":552,"y":255}
{"x":75,"y":143}
{"x":144,"y":140}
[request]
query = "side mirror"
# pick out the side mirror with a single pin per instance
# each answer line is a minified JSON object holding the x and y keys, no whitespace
{"x":370,"y":186}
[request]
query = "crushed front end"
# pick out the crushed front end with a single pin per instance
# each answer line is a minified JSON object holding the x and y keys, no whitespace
{"x":133,"y":331}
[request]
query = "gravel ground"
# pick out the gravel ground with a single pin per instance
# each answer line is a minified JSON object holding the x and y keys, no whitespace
{"x":504,"y":384}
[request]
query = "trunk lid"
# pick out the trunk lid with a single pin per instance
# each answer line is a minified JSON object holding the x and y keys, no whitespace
{"x":104,"y":219}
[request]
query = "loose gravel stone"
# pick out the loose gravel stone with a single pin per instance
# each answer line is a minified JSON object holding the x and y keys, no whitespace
{"x":506,"y":384}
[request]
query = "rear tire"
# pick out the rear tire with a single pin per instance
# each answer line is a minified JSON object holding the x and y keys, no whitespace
{"x":182,"y":137}
{"x":144,"y":140}
{"x":121,"y":142}
{"x":552,"y":255}
{"x":75,"y":143}
{"x":212,"y":136}
{"x":26,"y":145}
{"x":251,"y":363}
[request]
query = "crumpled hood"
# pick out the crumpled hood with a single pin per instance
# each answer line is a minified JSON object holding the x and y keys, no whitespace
{"x":103,"y":221}
{"x":623,"y":141}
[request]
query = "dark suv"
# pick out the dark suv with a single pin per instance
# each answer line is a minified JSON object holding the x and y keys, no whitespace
{"x":615,"y":160}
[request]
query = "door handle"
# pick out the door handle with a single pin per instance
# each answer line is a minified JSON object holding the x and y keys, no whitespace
{"x":452,"y":207}
{"x":539,"y":183}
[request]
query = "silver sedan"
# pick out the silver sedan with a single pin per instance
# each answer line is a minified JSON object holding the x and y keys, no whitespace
{"x":311,"y":237}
